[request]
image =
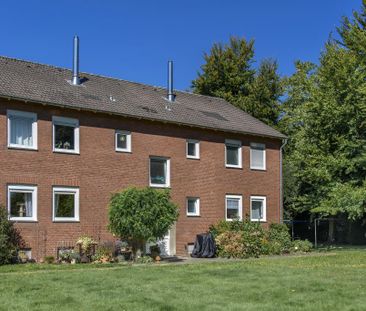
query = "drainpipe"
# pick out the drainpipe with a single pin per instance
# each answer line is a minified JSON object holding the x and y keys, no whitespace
{"x":284,"y":142}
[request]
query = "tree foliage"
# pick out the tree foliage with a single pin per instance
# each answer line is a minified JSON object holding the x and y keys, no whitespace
{"x":10,"y":239}
{"x":141,"y":215}
{"x":228,"y":73}
{"x":325,"y":118}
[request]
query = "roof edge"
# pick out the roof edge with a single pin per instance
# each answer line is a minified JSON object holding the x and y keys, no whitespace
{"x":27,"y":100}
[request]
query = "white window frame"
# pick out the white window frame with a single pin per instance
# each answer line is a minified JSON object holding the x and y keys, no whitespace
{"x":262,"y":146}
{"x":26,"y":189}
{"x":66,"y":190}
{"x":197,"y":206}
{"x":23,"y":114}
{"x":240,"y":212}
{"x":264,"y":200}
{"x":197,"y":148}
{"x":167,"y":177}
{"x":234,"y":143}
{"x":128,"y":141}
{"x":68,"y":122}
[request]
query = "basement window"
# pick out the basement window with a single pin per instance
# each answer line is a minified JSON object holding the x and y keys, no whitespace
{"x":159,"y":172}
{"x":22,"y":129}
{"x":193,"y":206}
{"x":234,"y":207}
{"x":193,"y":149}
{"x":65,"y":204}
{"x":258,"y":208}
{"x":22,"y":203}
{"x":233,"y":153}
{"x":123,"y":141}
{"x":65,"y":135}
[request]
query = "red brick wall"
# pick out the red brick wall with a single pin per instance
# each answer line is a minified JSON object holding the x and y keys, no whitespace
{"x":99,"y":170}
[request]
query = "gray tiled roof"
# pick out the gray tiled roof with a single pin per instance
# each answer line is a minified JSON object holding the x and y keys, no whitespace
{"x":47,"y":84}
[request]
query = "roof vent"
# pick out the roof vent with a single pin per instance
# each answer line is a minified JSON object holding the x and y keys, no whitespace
{"x":170,"y":95}
{"x":75,"y":63}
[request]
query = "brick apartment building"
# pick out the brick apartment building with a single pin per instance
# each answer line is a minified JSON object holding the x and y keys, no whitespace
{"x":68,"y":141}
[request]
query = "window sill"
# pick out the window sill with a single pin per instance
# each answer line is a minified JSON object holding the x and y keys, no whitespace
{"x":23,"y":220}
{"x":191,"y":215}
{"x":192,"y":158}
{"x":234,"y":166}
{"x":66,"y":152}
{"x":160,"y":186}
{"x":258,"y":220}
{"x":258,"y":169}
{"x":123,"y":151}
{"x":22,"y":148}
{"x":66,"y":220}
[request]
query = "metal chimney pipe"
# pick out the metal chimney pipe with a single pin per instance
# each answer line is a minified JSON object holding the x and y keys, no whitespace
{"x":75,"y":63}
{"x":171,"y":95}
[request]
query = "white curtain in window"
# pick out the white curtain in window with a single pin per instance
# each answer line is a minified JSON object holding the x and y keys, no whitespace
{"x":257,"y":157}
{"x":257,"y":209}
{"x":21,"y":131}
{"x":233,"y":204}
{"x":28,"y":204}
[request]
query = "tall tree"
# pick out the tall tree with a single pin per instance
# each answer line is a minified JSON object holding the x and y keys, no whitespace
{"x":325,"y":113}
{"x":228,"y":73}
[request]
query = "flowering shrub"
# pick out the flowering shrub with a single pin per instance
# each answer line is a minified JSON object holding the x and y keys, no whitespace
{"x":229,"y":244}
{"x":304,"y":246}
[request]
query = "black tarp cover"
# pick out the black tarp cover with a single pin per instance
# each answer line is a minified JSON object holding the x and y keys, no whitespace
{"x":204,"y":246}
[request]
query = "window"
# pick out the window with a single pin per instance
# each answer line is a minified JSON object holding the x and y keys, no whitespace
{"x":193,"y":149}
{"x":233,"y":153}
{"x":123,"y":141}
{"x":257,"y":156}
{"x":258,"y":208}
{"x":234,"y":207}
{"x":65,"y":204}
{"x":22,"y":202}
{"x":159,"y":172}
{"x":193,"y":206}
{"x":22,"y":129}
{"x":65,"y":135}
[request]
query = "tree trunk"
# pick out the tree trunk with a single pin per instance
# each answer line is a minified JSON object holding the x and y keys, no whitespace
{"x":331,"y":227}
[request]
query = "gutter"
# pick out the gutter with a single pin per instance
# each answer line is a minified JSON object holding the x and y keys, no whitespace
{"x":284,"y":142}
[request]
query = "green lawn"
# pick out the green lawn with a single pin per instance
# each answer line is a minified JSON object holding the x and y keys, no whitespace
{"x":334,"y":280}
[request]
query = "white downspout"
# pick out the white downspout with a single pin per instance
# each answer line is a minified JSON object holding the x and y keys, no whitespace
{"x":284,"y":142}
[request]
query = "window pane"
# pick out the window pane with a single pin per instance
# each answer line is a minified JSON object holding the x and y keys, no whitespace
{"x":64,"y":137}
{"x":20,"y":204}
{"x":232,"y":155}
{"x":192,"y":149}
{"x":158,"y":171}
{"x":257,"y":209}
{"x":192,"y":206}
{"x":21,"y":131}
{"x":121,"y":141}
{"x":257,"y":157}
{"x":232,"y":208}
{"x":64,"y":205}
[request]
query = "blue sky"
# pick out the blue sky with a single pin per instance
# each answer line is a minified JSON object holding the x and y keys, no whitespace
{"x":133,"y":40}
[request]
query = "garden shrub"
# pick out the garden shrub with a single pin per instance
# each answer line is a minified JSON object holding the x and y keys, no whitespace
{"x":303,"y":246}
{"x":10,"y":239}
{"x":242,"y":239}
{"x":279,"y":239}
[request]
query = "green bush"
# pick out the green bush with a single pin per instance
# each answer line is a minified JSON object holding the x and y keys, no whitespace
{"x":279,"y":240}
{"x":141,"y":215}
{"x":10,"y":239}
{"x":303,"y":246}
{"x":242,"y":239}
{"x":238,"y":239}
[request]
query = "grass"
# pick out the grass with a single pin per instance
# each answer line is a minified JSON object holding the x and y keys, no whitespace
{"x":333,"y":280}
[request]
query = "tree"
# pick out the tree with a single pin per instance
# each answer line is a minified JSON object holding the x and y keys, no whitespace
{"x":10,"y":239}
{"x":228,"y":73}
{"x":141,"y":215}
{"x":325,"y":113}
